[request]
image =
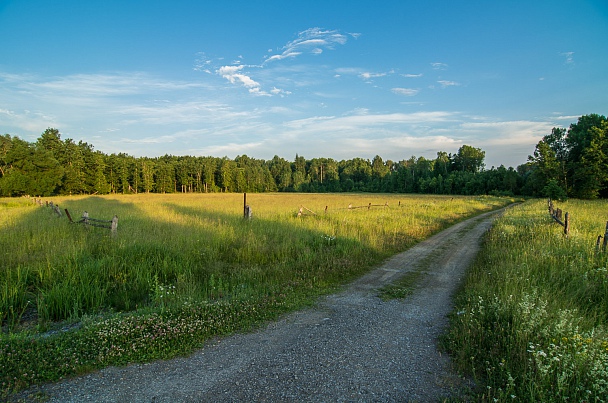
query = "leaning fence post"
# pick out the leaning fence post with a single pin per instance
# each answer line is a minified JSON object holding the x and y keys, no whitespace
{"x":68,"y":214}
{"x":605,"y":240}
{"x":567,"y":224}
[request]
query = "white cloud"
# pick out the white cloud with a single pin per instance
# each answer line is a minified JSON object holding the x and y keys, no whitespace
{"x":312,"y":40}
{"x":412,"y":75}
{"x":569,"y":56}
{"x":439,"y":66}
{"x":232,"y":74}
{"x":368,"y":75}
{"x":405,"y":91}
{"x":445,"y":83}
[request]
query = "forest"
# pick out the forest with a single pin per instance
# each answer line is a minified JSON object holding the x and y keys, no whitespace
{"x":565,"y":163}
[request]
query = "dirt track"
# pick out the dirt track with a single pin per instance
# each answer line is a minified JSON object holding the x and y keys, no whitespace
{"x":351,"y":346}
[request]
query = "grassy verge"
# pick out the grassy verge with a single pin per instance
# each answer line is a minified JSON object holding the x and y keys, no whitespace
{"x":402,"y":288}
{"x":530,"y":322}
{"x":182,"y":269}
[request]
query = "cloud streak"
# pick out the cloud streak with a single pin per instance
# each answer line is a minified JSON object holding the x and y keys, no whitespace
{"x":313,"y":41}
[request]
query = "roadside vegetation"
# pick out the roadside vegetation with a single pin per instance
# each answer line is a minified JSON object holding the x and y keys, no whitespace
{"x":184,"y":268}
{"x":530,"y":321}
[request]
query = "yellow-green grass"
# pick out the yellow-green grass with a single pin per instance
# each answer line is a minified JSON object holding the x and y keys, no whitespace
{"x":184,"y":267}
{"x":530,"y":323}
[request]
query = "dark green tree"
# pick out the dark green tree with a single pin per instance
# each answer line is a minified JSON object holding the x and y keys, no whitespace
{"x":469,"y":159}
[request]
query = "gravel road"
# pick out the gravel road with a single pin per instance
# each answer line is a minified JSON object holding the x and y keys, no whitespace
{"x":351,"y":347}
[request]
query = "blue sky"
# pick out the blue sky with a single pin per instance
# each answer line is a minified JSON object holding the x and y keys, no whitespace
{"x":336,"y":79}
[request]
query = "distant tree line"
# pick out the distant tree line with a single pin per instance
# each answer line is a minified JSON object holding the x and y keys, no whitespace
{"x":565,"y":163}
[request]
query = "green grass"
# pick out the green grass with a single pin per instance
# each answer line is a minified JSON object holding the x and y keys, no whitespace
{"x":530,"y":322}
{"x":183,"y":268}
{"x":401,"y":288}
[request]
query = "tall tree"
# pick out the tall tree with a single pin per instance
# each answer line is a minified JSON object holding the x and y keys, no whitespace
{"x":469,"y":159}
{"x":72,"y":160}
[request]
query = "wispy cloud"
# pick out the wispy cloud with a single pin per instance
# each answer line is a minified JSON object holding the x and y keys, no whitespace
{"x":313,"y":41}
{"x":234,"y":75}
{"x":568,"y":56}
{"x":439,"y":66}
{"x":445,"y":83}
{"x":405,"y":91}
{"x":411,"y":75}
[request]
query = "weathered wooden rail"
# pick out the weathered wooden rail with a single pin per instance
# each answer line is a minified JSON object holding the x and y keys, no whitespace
{"x":94,"y":222}
{"x":301,"y":211}
{"x":112,"y":224}
{"x":557,"y":214}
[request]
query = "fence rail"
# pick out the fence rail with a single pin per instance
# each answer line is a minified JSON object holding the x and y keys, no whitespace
{"x":556,"y":214}
{"x":301,"y":211}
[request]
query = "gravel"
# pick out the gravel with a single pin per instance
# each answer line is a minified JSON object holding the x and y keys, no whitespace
{"x":350,"y":347}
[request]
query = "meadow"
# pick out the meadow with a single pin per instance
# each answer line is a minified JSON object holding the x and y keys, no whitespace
{"x":183,"y":268}
{"x":530,"y":321}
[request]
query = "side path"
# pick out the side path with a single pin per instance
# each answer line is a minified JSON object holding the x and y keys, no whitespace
{"x":351,"y":346}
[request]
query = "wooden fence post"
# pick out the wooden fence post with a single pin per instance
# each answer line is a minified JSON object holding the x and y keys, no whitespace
{"x":245,"y":205}
{"x":67,"y":213}
{"x":605,"y":239}
{"x":114,"y":225}
{"x":248,"y":212}
{"x":567,"y":224}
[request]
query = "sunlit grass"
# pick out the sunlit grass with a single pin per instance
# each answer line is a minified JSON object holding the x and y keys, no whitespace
{"x":189,"y":258}
{"x":530,"y":324}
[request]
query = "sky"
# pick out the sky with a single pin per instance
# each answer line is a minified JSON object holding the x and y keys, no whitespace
{"x":320,"y":79}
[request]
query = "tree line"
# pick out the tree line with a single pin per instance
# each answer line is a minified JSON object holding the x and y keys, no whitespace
{"x":564,"y":163}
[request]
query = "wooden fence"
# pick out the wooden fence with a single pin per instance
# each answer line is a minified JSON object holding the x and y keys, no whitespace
{"x":112,"y":224}
{"x":556,"y":214}
{"x":94,"y":222}
{"x":301,"y":211}
{"x":601,"y":244}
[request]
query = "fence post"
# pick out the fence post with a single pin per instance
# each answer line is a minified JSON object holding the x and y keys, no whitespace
{"x":57,"y":210}
{"x":567,"y":224}
{"x":605,"y":240}
{"x":67,"y":213}
{"x":85,"y":218}
{"x":245,"y":205}
{"x":114,"y":225}
{"x":248,"y":213}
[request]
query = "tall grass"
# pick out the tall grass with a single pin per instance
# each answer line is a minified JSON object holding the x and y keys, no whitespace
{"x":183,"y":267}
{"x":530,"y":323}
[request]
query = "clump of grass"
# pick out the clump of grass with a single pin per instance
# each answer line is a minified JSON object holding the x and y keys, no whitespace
{"x":530,"y":324}
{"x":401,"y":288}
{"x":191,"y":258}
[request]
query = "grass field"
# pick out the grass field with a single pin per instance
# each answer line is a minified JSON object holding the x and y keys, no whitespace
{"x":183,"y":268}
{"x":530,"y":323}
